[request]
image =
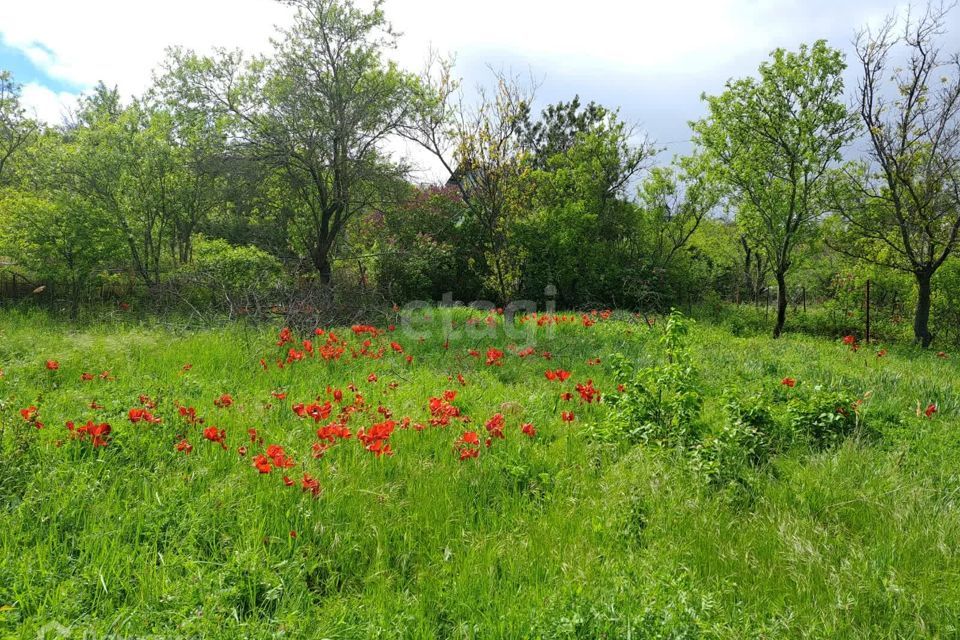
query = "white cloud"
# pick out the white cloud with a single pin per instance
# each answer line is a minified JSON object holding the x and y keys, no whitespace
{"x":122,"y":41}
{"x":46,"y":105}
{"x":646,"y":55}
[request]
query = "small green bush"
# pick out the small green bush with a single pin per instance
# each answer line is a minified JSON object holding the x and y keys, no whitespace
{"x":220,"y":272}
{"x":824,"y":418}
{"x":746,"y":441}
{"x":660,"y":404}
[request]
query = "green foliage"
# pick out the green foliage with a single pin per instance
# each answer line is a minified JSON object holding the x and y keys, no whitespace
{"x":594,"y":539}
{"x":219,"y":270}
{"x":824,"y":418}
{"x":772,"y":140}
{"x":660,"y":404}
{"x":423,"y":247}
{"x":744,"y":443}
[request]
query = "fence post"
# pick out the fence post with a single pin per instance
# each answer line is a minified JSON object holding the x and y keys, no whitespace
{"x":868,"y":310}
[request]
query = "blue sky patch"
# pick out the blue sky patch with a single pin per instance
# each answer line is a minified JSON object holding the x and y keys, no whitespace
{"x":24,"y":70}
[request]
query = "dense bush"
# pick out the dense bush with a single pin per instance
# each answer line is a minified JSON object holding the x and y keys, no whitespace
{"x":222,"y":274}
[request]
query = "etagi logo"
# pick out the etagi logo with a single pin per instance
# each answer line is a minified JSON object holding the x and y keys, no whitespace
{"x":57,"y":631}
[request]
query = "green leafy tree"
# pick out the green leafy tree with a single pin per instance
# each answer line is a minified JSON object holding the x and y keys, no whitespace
{"x":144,"y":169}
{"x":676,"y":199}
{"x":16,"y":130}
{"x":52,"y":232}
{"x":319,"y":109}
{"x":775,"y":138}
{"x":580,"y":234}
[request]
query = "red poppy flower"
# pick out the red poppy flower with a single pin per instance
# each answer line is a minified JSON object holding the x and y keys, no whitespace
{"x":262,"y":464}
{"x":98,"y":433}
{"x":930,"y":410}
{"x":29,"y":414}
{"x":311,"y":485}
{"x":469,"y":437}
{"x":588,"y":393}
{"x":882,"y":353}
{"x":279,"y":457}
{"x":494,"y":357}
{"x":468,"y":452}
{"x":184,"y":447}
{"x":288,"y":481}
{"x":216,"y":435}
{"x":142,"y":415}
{"x":528,"y":428}
{"x":788,"y":382}
{"x":86,"y":377}
{"x":441,"y":412}
{"x":567,"y":416}
{"x":52,"y":365}
{"x":375,"y":438}
{"x":189,"y":414}
{"x":467,"y":445}
{"x":495,"y":426}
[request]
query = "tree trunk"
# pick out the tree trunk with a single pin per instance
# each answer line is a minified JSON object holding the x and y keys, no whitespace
{"x":321,"y":260}
{"x":921,"y":319}
{"x":781,"y":304}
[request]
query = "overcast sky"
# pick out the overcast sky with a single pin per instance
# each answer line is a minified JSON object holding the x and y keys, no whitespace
{"x":651,"y":58}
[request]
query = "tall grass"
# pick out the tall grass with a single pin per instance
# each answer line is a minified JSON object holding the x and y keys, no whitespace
{"x":560,"y":536}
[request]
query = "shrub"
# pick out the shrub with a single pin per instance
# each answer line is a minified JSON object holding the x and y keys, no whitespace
{"x":222,"y":273}
{"x":824,"y":418}
{"x":660,"y":404}
{"x":747,"y":441}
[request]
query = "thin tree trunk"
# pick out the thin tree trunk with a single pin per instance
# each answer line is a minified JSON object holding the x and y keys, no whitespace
{"x":921,"y":319}
{"x":781,"y":304}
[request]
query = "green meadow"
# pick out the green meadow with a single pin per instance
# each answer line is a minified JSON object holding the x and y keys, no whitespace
{"x":717,"y":503}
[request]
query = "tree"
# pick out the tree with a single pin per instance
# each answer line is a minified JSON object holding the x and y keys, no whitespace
{"x":320,"y":109}
{"x":483,"y":151}
{"x":676,"y":199}
{"x":581,"y":229}
{"x":141,"y":167}
{"x":16,"y":130}
{"x":903,"y":202}
{"x":52,"y":232}
{"x":559,"y":125}
{"x":775,"y":138}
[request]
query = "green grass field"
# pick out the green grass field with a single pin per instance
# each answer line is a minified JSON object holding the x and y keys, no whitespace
{"x":585,"y":530}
